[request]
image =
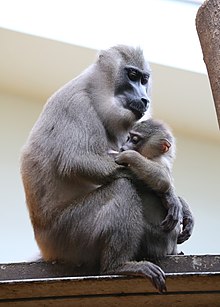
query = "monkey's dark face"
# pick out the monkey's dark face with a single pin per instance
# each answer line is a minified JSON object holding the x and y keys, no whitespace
{"x":132,"y":90}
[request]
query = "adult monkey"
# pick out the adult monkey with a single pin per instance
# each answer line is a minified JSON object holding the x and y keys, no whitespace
{"x":79,"y":212}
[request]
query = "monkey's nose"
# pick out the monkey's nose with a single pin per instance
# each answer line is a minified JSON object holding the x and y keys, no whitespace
{"x":146,"y":102}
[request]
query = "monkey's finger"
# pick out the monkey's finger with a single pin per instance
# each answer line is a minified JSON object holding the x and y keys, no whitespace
{"x":186,"y":233}
{"x":159,"y":283}
{"x":188,"y":228}
{"x":171,"y":219}
{"x":184,"y":236}
{"x":121,"y":163}
{"x":169,"y":223}
{"x":158,"y":278}
{"x":181,"y":240}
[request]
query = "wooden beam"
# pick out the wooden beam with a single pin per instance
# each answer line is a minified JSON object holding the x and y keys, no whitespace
{"x":208,"y":29}
{"x":191,"y":281}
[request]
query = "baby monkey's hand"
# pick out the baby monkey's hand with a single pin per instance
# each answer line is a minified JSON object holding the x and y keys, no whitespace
{"x":126,"y":157}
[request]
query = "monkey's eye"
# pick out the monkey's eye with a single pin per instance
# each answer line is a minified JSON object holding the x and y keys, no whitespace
{"x":133,"y":74}
{"x":135,"y":139}
{"x":144,"y":79}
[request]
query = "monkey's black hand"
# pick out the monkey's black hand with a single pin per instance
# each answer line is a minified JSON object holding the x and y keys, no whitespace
{"x":188,"y":225}
{"x":172,"y":218}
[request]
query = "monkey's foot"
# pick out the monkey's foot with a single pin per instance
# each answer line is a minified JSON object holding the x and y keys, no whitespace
{"x":146,"y":269}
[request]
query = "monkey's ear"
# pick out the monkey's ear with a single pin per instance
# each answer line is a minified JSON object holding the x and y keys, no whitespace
{"x":165,"y":145}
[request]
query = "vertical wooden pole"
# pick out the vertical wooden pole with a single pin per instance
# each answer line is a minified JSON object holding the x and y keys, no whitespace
{"x":208,"y":29}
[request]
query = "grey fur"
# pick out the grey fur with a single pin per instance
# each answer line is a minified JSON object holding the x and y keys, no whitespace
{"x":144,"y":155}
{"x":84,"y":208}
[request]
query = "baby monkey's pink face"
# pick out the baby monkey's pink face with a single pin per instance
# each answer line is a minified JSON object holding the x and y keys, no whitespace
{"x":149,"y":146}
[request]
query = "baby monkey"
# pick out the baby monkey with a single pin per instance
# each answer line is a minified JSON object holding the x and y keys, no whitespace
{"x":149,"y":152}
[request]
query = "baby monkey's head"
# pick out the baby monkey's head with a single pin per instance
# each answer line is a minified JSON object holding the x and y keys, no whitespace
{"x":151,"y":138}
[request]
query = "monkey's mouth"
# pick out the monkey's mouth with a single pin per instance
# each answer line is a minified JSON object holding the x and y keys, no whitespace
{"x":138,"y":108}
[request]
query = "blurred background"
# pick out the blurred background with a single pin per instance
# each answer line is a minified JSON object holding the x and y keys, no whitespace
{"x":44,"y":44}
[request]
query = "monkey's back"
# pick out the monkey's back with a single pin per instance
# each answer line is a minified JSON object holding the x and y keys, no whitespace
{"x":49,"y":158}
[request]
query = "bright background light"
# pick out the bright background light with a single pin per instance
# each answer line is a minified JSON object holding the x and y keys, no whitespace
{"x":165,"y":29}
{"x":33,"y":67}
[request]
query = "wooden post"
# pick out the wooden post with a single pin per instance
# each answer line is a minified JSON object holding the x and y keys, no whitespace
{"x":208,"y":29}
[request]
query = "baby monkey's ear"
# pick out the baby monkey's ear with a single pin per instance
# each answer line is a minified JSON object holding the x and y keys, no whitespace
{"x":165,"y":145}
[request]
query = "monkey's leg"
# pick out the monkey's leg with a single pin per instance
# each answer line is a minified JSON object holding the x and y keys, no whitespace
{"x":122,"y":265}
{"x":81,"y":230}
{"x":122,"y":236}
{"x":103,"y":230}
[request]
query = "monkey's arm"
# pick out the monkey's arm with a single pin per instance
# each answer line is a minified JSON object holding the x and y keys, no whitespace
{"x":156,"y":176}
{"x":95,"y":168}
{"x":188,"y":222}
{"x":173,"y":204}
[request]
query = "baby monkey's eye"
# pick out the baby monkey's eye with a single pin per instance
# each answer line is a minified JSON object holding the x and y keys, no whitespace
{"x":135,"y":139}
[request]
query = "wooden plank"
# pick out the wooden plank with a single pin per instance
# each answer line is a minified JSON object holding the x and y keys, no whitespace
{"x":194,"y":300}
{"x":170,"y":264}
{"x":114,"y":285}
{"x":191,"y":281}
{"x":192,"y":263}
